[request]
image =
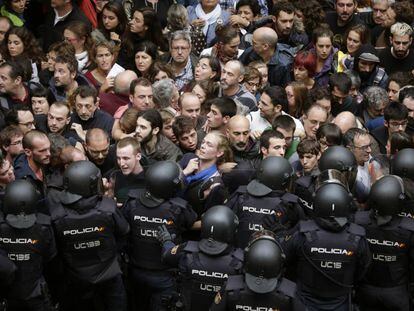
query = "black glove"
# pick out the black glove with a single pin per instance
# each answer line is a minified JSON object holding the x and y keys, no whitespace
{"x":163,"y":235}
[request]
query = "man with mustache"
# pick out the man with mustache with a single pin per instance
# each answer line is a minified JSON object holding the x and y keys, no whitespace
{"x":343,"y":18}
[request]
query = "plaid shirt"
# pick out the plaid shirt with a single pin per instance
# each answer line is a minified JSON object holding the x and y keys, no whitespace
{"x":185,"y":76}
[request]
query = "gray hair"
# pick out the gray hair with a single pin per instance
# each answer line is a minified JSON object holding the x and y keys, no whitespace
{"x":389,"y":2}
{"x":376,"y":96}
{"x":355,"y":79}
{"x":180,"y":35}
{"x":163,"y":92}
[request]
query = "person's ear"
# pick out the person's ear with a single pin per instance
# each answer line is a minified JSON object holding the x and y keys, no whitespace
{"x":155,"y":131}
{"x":28,"y":152}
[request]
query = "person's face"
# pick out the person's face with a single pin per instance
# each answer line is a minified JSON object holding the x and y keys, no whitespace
{"x":300,"y":73}
{"x":353,"y":42}
{"x":377,"y":111}
{"x":160,"y":76}
{"x":199,"y":92}
{"x":40,"y":105}
{"x":345,"y":9}
{"x":57,"y":119}
{"x":393,"y":89}
{"x":180,"y":51}
{"x":167,"y":130}
{"x":85,"y":107}
{"x":109,"y":19}
{"x":238,"y":135}
{"x":323,"y":47}
{"x":265,"y":74}
{"x":309,"y":162}
{"x":73,"y":39}
{"x":51,"y":60}
{"x":18,"y":6}
{"x":16,"y":147}
{"x":365,"y":66}
{"x":144,"y":131}
{"x":389,"y":18}
{"x":284,"y":23}
{"x":277,"y":148}
{"x":288,"y":135}
{"x":4,"y":28}
{"x":6,"y":173}
{"x":246,"y":12}
{"x":379,"y":9}
{"x":362,"y":148}
{"x":230,"y":76}
{"x":175,"y":96}
{"x":232,"y":48}
{"x":291,"y":97}
{"x":104,"y":58}
{"x":203,"y":70}
{"x":136,"y":25}
{"x":56,"y":4}
{"x":143,"y":61}
{"x":267,"y":109}
{"x":215,"y":118}
{"x":97,"y":151}
{"x":142,"y":98}
{"x":40,"y":151}
{"x":401,"y":45}
{"x":209,"y":148}
{"x":252,"y":85}
{"x":7,"y":84}
{"x":188,"y":140}
{"x":127,"y":160}
{"x":258,"y":44}
{"x":325,"y":103}
{"x":338,"y":97}
{"x":409,"y":103}
{"x":190,"y":107}
{"x":15,"y":45}
{"x":395,"y":126}
{"x":312,"y":121}
{"x":62,"y":75}
{"x":26,"y":121}
{"x":209,"y":5}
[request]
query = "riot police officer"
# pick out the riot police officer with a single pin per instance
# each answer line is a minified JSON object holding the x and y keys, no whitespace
{"x":329,"y":253}
{"x":27,"y":239}
{"x":335,"y":157}
{"x":89,"y":228}
{"x":205,"y":265}
{"x":262,"y":286}
{"x":266,"y":196}
{"x":146,"y":210}
{"x":390,"y":238}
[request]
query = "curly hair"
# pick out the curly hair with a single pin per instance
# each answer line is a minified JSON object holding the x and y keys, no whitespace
{"x":404,"y":11}
{"x":32,"y":49}
{"x":313,"y":14}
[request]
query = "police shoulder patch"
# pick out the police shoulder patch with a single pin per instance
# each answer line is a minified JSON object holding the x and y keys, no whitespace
{"x":217,"y":299}
{"x":174,"y":250}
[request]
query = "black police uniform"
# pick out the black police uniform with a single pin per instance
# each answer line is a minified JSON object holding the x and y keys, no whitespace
{"x":150,"y":277}
{"x":202,"y":275}
{"x":237,"y":296}
{"x":329,"y":261}
{"x":30,"y":249}
{"x":385,"y":286}
{"x":87,"y":233}
{"x":252,"y":207}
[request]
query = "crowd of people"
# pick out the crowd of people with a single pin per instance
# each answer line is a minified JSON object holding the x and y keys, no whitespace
{"x":212,"y":154}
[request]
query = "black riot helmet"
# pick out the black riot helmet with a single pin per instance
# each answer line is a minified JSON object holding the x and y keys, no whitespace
{"x":218,"y":228}
{"x":402,"y":164}
{"x":342,"y":159}
{"x":386,"y":197}
{"x":82,"y":179}
{"x":163,"y":179}
{"x":332,"y":201}
{"x":264,"y":262}
{"x":20,"y":204}
{"x":275,"y":173}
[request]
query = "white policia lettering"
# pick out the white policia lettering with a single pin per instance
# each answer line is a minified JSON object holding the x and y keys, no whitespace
{"x":83,"y":230}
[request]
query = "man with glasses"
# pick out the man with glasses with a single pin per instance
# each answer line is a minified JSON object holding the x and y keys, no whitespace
{"x":22,"y":117}
{"x":395,"y":120}
{"x":11,"y":142}
{"x":6,"y":173}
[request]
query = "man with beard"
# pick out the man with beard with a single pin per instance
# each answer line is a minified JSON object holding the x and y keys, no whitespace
{"x":87,"y":115}
{"x":131,"y":174}
{"x":340,"y":85}
{"x":231,"y":77}
{"x":407,"y":99}
{"x":154,"y":145}
{"x":342,"y":19}
{"x":367,"y":66}
{"x":66,"y":77}
{"x":99,"y":150}
{"x":398,"y":56}
{"x":31,"y":164}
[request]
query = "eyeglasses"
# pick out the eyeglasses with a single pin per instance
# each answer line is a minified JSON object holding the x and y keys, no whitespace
{"x":180,"y":48}
{"x":396,"y":124}
{"x":28,"y":124}
{"x":18,"y":142}
{"x":363,"y":148}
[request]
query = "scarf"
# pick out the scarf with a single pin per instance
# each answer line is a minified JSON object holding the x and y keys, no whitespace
{"x":210,"y":18}
{"x":204,"y":174}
